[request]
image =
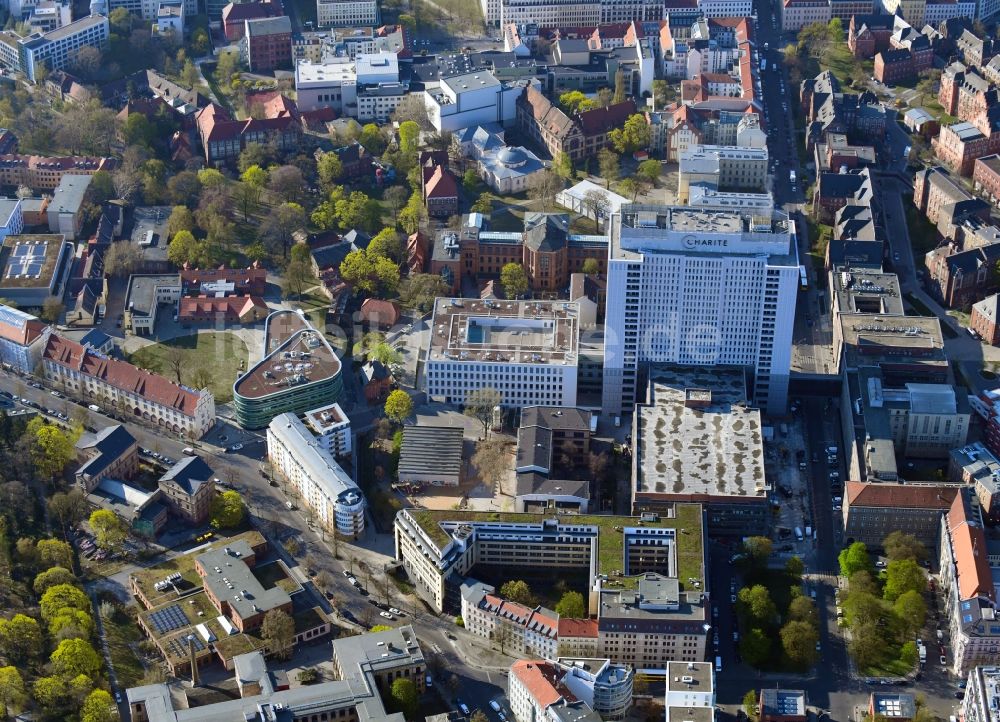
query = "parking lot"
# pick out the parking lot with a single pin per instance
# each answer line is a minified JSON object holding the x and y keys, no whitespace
{"x":151,"y":219}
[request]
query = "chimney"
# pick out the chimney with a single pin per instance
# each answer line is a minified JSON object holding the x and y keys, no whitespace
{"x":194,"y":662}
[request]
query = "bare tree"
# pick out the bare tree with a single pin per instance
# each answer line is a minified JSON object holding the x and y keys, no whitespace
{"x":596,"y":203}
{"x":490,"y":460}
{"x":544,"y":187}
{"x":128,"y":176}
{"x":173,"y":356}
{"x":502,"y":636}
{"x":121,"y":259}
{"x":480,"y":405}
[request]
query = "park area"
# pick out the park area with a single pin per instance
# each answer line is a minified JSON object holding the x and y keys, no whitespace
{"x":210,"y":358}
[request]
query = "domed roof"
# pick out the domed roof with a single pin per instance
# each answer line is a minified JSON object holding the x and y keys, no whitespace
{"x":511,"y":156}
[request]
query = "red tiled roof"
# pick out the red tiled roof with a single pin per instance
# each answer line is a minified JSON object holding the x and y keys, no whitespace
{"x":121,"y":375}
{"x":901,"y":496}
{"x":601,"y":120}
{"x":252,"y":281}
{"x":238,"y":12}
{"x":540,"y":679}
{"x":578,"y":628}
{"x":22,"y":336}
{"x":968,"y":543}
{"x":439,"y":183}
{"x":383,"y":312}
{"x":231,"y":307}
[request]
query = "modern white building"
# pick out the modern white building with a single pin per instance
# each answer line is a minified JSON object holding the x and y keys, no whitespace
{"x":699,"y":287}
{"x":50,"y":15}
{"x":472,"y":99}
{"x":332,"y":429}
{"x":982,"y":695}
{"x":170,"y":18}
{"x":56,"y":49}
{"x":377,"y":102}
{"x":690,"y":692}
{"x":526,"y":350}
{"x":376,"y":68}
{"x":11,"y":217}
{"x":147,"y":9}
{"x":726,"y":8}
{"x":564,"y":690}
{"x":721,"y":167}
{"x":549,"y":13}
{"x":322,"y":484}
{"x":346,"y":13}
{"x":332,"y":83}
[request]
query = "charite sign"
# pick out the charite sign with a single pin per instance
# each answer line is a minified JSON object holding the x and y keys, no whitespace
{"x":693,"y":242}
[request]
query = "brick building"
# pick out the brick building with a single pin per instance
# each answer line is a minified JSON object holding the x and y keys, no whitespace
{"x":235,"y":15}
{"x":983,"y":319}
{"x":440,"y":191}
{"x":232,"y":588}
{"x":960,"y":278}
{"x":986,"y":177}
{"x":188,"y":487}
{"x":869,"y":34}
{"x":267,"y":43}
{"x":894,"y":66}
{"x":223,"y":138}
{"x":873,"y":511}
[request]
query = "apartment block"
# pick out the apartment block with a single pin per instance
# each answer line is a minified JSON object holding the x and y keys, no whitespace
{"x":44,"y":173}
{"x":796,"y":14}
{"x":56,"y":49}
{"x":986,"y":178}
{"x":322,"y":485}
{"x":728,"y":282}
{"x":23,"y":338}
{"x":975,"y":466}
{"x":721,"y":168}
{"x":526,"y":350}
{"x":188,"y":487}
{"x":331,"y":427}
{"x":347,"y":13}
{"x":982,"y":692}
{"x":267,"y":43}
{"x":690,"y":695}
{"x":872,"y":511}
{"x":120,"y":386}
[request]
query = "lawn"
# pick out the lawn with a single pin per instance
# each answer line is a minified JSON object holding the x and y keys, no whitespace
{"x":122,"y":631}
{"x":274,"y":575}
{"x":222,"y":354}
{"x":923,"y":235}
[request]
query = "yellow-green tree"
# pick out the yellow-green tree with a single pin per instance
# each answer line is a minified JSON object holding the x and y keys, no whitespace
{"x":98,"y":707}
{"x":51,"y":449}
{"x":398,"y":406}
{"x":74,"y":657}
{"x":12,"y":692}
{"x":20,"y":638}
{"x":110,"y":532}
{"x":227,"y":510}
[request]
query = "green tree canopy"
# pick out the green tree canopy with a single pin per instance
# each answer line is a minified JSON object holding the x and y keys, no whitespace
{"x":20,"y":638}
{"x":403,"y":694}
{"x":388,"y":244}
{"x":398,"y":406}
{"x":911,"y":610}
{"x":12,"y":692}
{"x":900,"y":545}
{"x":409,"y":136}
{"x":799,"y":642}
{"x":757,"y":603}
{"x":75,"y":656}
{"x":795,"y":567}
{"x":278,"y":631}
{"x":98,"y":707}
{"x":63,"y":596}
{"x":514,"y":280}
{"x":755,"y":646}
{"x":71,"y":624}
{"x":571,"y":605}
{"x":632,"y":136}
{"x":329,"y":168}
{"x":226,"y":510}
{"x":110,"y":531}
{"x":52,"y":448}
{"x":758,"y":548}
{"x":573,"y":101}
{"x":802,"y":609}
{"x":517,"y":590}
{"x":903,"y":575}
{"x":854,"y":559}
{"x":649,"y":170}
{"x":51,"y":577}
{"x":54,"y":552}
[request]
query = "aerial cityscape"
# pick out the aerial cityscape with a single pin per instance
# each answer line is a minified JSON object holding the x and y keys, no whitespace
{"x":500,"y":360}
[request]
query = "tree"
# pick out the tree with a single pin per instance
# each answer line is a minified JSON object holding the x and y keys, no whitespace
{"x":386,"y":275}
{"x":298,"y":276}
{"x":226,"y":510}
{"x":649,"y":170}
{"x":480,"y":404}
{"x":620,"y":89}
{"x":184,"y":188}
{"x":51,"y":577}
{"x":384,"y":353}
{"x":470,"y":180}
{"x":404,"y":697}
{"x":358,"y":270}
{"x":75,"y":656}
{"x":181,"y":219}
{"x":173,"y":357}
{"x":900,"y":545}
{"x":398,"y":406}
{"x":278,"y":632}
{"x":911,"y":610}
{"x":329,"y":168}
{"x":571,"y":605}
{"x":102,"y":187}
{"x":607,"y":162}
{"x":755,"y":646}
{"x":483,"y":204}
{"x":420,"y":289}
{"x":110,"y":532}
{"x":52,"y":309}
{"x":802,"y":609}
{"x":799,"y":642}
{"x":867,"y":646}
{"x":210,"y":177}
{"x":590,"y":267}
{"x":280,"y":226}
{"x":60,"y":597}
{"x":514,"y":280}
{"x":544,"y":187}
{"x":287,"y":182}
{"x":758,"y":549}
{"x":55,"y":553}
{"x":490,"y":461}
{"x":597,"y":205}
{"x":52,"y":448}
{"x":386,"y":243}
{"x":396,"y":198}
{"x":901,"y":576}
{"x":409,"y":135}
{"x":20,"y":638}
{"x":862,"y":583}
{"x":573,"y":101}
{"x":854,"y":559}
{"x":795,"y":567}
{"x":517,"y":590}
{"x":12,"y":692}
{"x":629,"y":187}
{"x":908,"y":654}
{"x":372,"y":139}
{"x":184,"y":248}
{"x":98,"y":707}
{"x":71,"y":624}
{"x":749,"y":700}
{"x":121,"y":259}
{"x":562,"y":164}
{"x":632,"y":136}
{"x":756,"y":601}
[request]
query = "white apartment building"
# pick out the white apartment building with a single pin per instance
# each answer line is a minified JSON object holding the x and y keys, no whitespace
{"x":796,"y":14}
{"x":982,"y":695}
{"x":471,"y":99}
{"x":170,"y":18}
{"x":721,"y":167}
{"x":491,"y":11}
{"x":550,"y":13}
{"x":377,"y":102}
{"x":47,"y":16}
{"x":332,"y":83}
{"x":22,"y":339}
{"x":969,"y":582}
{"x":119,"y":386}
{"x":147,"y":9}
{"x":322,"y":484}
{"x":726,"y":8}
{"x":690,"y":691}
{"x":332,"y":429}
{"x":526,"y":350}
{"x":11,"y":217}
{"x":699,"y":287}
{"x":602,"y":685}
{"x":56,"y":49}
{"x":346,"y":13}
{"x":563,"y":690}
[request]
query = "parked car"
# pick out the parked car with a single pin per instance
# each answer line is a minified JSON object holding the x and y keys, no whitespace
{"x":386,"y":615}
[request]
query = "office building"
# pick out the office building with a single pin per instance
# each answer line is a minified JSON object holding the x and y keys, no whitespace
{"x":721,"y":168}
{"x":892,"y":706}
{"x":234,"y":590}
{"x":537,"y":694}
{"x":690,"y":693}
{"x":323,"y":486}
{"x":64,"y":210}
{"x":699,"y":287}
{"x":56,"y":49}
{"x":11,"y":217}
{"x":347,"y":13}
{"x":796,"y":14}
{"x":718,"y":457}
{"x":331,"y":83}
{"x":267,"y":43}
{"x":553,"y":447}
{"x":872,"y":511}
{"x":332,"y":429}
{"x":526,"y":350}
{"x":782,"y":705}
{"x":111,"y":453}
{"x":143,"y":298}
{"x":121,"y":387}
{"x":471,"y":99}
{"x":23,"y":338}
{"x":35,"y":267}
{"x":299,"y":371}
{"x":973,"y":465}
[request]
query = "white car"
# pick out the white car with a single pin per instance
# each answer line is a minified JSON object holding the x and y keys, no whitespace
{"x":386,"y":615}
{"x":393,"y":610}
